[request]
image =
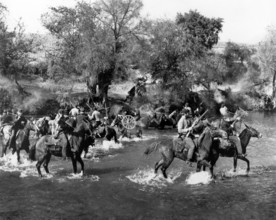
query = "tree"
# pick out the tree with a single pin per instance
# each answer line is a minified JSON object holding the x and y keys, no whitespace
{"x":63,"y":23}
{"x":211,"y":68}
{"x":237,"y":58}
{"x":266,"y":55}
{"x":15,"y":48}
{"x":180,"y":50}
{"x":122,"y":22}
{"x":95,"y":40}
{"x":200,"y":28}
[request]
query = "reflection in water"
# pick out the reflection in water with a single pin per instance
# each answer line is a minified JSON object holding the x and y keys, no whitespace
{"x":121,"y":184}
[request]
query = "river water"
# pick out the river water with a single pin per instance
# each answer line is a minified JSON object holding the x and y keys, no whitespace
{"x":119,"y":183}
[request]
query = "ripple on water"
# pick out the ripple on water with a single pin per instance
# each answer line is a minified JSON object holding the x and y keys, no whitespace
{"x":79,"y":176}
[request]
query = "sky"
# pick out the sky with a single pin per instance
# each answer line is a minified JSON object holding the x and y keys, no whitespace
{"x":245,"y":21}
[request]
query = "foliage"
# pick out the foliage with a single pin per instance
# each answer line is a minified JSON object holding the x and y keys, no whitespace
{"x":48,"y":107}
{"x":210,"y":68}
{"x":94,"y":40}
{"x":266,"y":57}
{"x":6,"y":102}
{"x":236,"y":57}
{"x":14,"y":50}
{"x":200,"y":29}
{"x":180,"y":51}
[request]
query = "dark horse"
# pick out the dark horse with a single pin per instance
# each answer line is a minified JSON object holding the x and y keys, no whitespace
{"x":206,"y":153}
{"x":231,"y":150}
{"x":124,"y":131}
{"x":105,"y":131}
{"x":22,"y":141}
{"x":74,"y":140}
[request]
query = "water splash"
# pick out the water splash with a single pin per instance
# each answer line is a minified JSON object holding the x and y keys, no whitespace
{"x":231,"y":173}
{"x":202,"y":177}
{"x":26,"y":168}
{"x":102,"y":148}
{"x":9,"y":163}
{"x":79,"y":176}
{"x":149,"y":178}
{"x":107,"y":145}
{"x":137,"y":139}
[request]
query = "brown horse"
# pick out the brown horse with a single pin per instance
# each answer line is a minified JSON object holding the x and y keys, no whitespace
{"x":206,"y":153}
{"x":231,"y":150}
{"x":22,"y":141}
{"x":73,"y":140}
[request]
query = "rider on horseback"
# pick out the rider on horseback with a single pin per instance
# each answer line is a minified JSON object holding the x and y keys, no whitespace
{"x":96,"y":115}
{"x":184,"y":129}
{"x":18,"y":124}
{"x":228,"y":124}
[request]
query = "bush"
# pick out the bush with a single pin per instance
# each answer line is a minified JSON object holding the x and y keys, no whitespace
{"x":50,"y":106}
{"x":5,"y":99}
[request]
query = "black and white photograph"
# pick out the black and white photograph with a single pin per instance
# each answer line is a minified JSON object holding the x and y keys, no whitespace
{"x":137,"y":109}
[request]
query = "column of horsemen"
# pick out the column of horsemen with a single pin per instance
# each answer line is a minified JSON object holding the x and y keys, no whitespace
{"x":186,"y":121}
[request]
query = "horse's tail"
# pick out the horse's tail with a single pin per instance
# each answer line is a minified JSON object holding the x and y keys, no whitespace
{"x":153,"y":147}
{"x":32,"y":152}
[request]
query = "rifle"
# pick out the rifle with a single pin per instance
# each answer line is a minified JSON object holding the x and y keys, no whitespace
{"x":195,"y":122}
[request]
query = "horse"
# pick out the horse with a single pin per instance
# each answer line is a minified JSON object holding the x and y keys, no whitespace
{"x":22,"y":141}
{"x":71,"y":139}
{"x":105,"y":131}
{"x":206,"y":153}
{"x":124,"y":131}
{"x":167,"y":121}
{"x":231,"y":150}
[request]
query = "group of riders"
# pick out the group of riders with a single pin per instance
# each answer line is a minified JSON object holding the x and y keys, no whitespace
{"x":185,"y":123}
{"x":187,"y":128}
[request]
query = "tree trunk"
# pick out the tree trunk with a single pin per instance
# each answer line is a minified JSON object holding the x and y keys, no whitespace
{"x":273,"y":84}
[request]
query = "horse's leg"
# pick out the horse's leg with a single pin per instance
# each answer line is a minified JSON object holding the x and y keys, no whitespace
{"x":167,"y":162}
{"x":138,"y":133}
{"x":78,"y":158}
{"x":4,"y":150}
{"x":38,"y":165}
{"x":115,"y":137}
{"x":18,"y":154}
{"x":46,"y":162}
{"x":247,"y":161}
{"x":157,"y":165}
{"x":204,"y":163}
{"x":74,"y":162}
{"x":198,"y":167}
{"x":235,"y":163}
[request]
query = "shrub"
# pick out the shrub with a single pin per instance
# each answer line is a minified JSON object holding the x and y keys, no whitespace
{"x":5,"y":99}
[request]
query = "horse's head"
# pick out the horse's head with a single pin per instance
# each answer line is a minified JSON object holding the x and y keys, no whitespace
{"x":253,"y":131}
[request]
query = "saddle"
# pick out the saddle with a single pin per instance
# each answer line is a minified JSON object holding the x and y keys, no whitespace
{"x":53,"y":146}
{"x":52,"y":143}
{"x":180,"y":144}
